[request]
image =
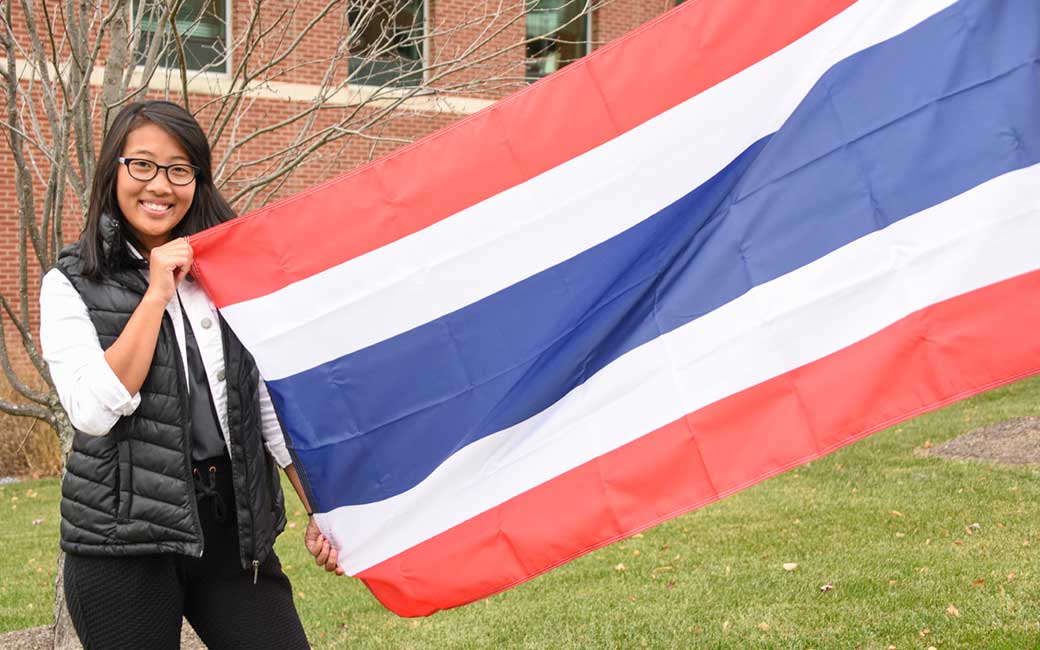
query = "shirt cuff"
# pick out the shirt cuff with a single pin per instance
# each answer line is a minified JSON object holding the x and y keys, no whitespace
{"x":278,"y":451}
{"x":111,"y":393}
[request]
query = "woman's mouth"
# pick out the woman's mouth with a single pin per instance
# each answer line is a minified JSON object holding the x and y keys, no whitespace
{"x":156,"y":208}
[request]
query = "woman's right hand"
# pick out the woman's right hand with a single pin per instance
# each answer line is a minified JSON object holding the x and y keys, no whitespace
{"x":167,"y":266}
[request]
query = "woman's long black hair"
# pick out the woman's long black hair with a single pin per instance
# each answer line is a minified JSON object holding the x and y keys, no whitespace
{"x":101,"y":255}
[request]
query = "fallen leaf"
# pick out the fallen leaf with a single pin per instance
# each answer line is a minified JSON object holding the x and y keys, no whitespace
{"x":725,"y":625}
{"x":667,"y":567}
{"x":891,"y":647}
{"x":790,"y":566}
{"x":764,"y":627}
{"x":670,"y":585}
{"x":953,"y":611}
{"x":620,"y":567}
{"x":636,"y":552}
{"x":637,"y":536}
{"x":632,"y":598}
{"x":291,"y":524}
{"x":1011,"y":576}
{"x":978,"y":582}
{"x":827,"y":587}
{"x":896,"y":513}
{"x":899,"y":534}
{"x":958,"y":542}
{"x":927,"y":444}
{"x":893,"y":583}
{"x":923,"y":633}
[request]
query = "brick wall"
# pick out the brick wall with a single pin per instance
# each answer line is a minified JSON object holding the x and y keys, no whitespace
{"x":455,"y":25}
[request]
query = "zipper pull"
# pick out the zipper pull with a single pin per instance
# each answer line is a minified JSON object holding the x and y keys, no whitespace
{"x":256,"y":568}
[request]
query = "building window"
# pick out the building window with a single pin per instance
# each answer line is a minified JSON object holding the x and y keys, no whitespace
{"x":203,"y":28}
{"x":386,"y":42}
{"x":557,"y":34}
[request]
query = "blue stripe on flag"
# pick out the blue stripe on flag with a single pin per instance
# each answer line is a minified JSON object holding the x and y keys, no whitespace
{"x":861,"y":152}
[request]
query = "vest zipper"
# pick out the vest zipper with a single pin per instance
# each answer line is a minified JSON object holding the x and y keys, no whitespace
{"x":245,"y":464}
{"x":186,"y":438}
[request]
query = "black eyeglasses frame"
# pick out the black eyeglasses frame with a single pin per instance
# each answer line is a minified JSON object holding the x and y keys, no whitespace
{"x":165,"y":169}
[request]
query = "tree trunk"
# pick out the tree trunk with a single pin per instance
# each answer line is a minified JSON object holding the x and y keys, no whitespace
{"x":65,"y":637}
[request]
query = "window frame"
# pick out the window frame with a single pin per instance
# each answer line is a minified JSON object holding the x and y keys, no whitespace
{"x":228,"y":61}
{"x":588,"y":16}
{"x":423,"y":60}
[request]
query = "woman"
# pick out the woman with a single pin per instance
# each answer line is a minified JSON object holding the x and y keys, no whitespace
{"x":171,"y":501}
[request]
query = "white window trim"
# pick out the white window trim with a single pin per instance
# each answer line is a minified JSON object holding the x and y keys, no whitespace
{"x":214,"y":85}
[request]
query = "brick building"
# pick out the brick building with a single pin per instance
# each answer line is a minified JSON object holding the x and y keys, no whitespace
{"x":463,"y":54}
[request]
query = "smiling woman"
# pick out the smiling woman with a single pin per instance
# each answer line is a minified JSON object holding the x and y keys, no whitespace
{"x":171,"y":501}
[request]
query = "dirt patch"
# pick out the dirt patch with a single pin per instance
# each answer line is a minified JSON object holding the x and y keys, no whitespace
{"x":34,"y":638}
{"x":42,"y":638}
{"x":1012,"y":442}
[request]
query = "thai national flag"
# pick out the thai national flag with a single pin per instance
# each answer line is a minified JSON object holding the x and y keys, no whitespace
{"x":746,"y":234}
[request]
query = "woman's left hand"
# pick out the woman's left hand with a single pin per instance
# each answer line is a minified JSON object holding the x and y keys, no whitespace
{"x":320,"y":548}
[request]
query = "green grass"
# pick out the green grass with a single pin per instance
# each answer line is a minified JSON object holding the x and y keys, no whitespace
{"x":886,"y":528}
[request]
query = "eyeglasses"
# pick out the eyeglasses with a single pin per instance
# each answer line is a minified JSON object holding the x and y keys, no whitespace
{"x":143,"y":169}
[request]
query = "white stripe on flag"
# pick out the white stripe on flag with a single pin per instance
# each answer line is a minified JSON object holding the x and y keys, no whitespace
{"x":528,"y":228}
{"x":983,"y":236}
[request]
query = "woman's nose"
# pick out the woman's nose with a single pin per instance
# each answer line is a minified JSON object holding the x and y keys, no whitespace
{"x":159,"y":184}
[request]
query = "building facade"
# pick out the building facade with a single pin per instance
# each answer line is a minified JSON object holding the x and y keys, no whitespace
{"x":295,"y":93}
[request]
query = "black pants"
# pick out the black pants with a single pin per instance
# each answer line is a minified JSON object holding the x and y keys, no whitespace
{"x":138,"y":601}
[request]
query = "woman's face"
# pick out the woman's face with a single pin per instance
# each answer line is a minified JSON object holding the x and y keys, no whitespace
{"x":153,"y":208}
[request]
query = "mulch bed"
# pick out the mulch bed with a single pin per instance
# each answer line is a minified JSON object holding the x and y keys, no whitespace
{"x":1011,"y":442}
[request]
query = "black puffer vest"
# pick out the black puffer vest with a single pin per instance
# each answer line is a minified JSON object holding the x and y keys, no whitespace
{"x":131,"y":492}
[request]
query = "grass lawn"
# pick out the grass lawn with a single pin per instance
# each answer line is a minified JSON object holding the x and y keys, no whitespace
{"x":892,"y":533}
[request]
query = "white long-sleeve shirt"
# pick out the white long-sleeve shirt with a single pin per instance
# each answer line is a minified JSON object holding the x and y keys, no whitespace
{"x":93,"y":396}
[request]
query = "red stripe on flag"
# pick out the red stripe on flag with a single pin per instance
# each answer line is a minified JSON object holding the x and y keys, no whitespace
{"x":700,"y":44}
{"x":936,"y":356}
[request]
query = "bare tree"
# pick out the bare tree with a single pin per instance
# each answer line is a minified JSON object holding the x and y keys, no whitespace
{"x":70,"y":65}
